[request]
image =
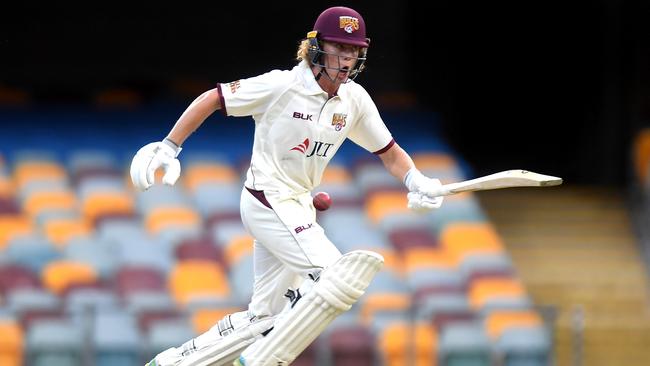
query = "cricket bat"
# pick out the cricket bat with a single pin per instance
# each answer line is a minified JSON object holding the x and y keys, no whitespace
{"x":504,"y":179}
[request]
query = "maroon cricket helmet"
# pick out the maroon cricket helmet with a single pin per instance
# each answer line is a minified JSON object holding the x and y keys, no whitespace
{"x":342,"y":25}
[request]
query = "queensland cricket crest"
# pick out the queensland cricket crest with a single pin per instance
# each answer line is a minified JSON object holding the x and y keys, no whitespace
{"x":348,"y":23}
{"x":338,"y":121}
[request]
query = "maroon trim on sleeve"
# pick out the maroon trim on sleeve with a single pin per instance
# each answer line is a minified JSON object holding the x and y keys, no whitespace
{"x":385,"y":148}
{"x":223,"y":102}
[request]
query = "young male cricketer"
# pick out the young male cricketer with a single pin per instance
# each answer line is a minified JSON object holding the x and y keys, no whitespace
{"x":302,"y":116}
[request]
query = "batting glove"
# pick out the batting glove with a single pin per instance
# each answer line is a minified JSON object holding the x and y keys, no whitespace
{"x":151,"y":157}
{"x":423,"y":191}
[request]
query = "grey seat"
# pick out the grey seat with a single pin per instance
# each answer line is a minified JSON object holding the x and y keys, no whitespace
{"x":55,"y":343}
{"x":464,"y":344}
{"x":116,"y":339}
{"x":524,"y":346}
{"x":164,"y":334}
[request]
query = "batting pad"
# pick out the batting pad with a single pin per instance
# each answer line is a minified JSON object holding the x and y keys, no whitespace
{"x":339,"y":287}
{"x":224,"y":350}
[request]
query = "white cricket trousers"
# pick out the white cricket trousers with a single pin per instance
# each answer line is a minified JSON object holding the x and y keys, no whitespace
{"x":289,"y":246}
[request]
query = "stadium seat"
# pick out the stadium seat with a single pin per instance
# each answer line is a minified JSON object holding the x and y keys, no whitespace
{"x":402,"y":344}
{"x":497,"y":293}
{"x":116,"y":339}
{"x":61,"y":230}
{"x":238,"y":247}
{"x":143,"y":251}
{"x":206,"y":318}
{"x":55,"y":342}
{"x":164,"y":334}
{"x":195,"y":278}
{"x":12,"y":226}
{"x":11,"y":343}
{"x":32,"y":251}
{"x":94,"y":252}
{"x":210,"y":199}
{"x":41,"y":201}
{"x":200,"y":248}
{"x":138,"y":278}
{"x":382,"y":203}
{"x":58,"y":275}
{"x":79,"y":300}
{"x":351,"y":345}
{"x":464,"y":344}
{"x":14,"y":276}
{"x":524,"y":346}
{"x":242,"y":277}
{"x":101,"y":203}
{"x":162,"y":217}
{"x":380,"y":308}
{"x":203,"y":173}
{"x":404,"y":238}
{"x":26,"y":172}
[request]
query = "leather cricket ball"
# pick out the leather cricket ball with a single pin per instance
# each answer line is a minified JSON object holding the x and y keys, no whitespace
{"x":322,"y":201}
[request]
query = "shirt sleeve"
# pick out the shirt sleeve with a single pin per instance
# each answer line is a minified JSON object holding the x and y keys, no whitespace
{"x":252,"y":96}
{"x":370,"y":131}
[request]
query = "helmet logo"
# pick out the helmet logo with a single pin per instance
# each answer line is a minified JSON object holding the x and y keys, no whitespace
{"x":348,"y":23}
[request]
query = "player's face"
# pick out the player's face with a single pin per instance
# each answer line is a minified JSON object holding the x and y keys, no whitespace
{"x":340,"y":59}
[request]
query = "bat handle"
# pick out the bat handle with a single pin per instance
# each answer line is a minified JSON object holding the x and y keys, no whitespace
{"x":443,"y":190}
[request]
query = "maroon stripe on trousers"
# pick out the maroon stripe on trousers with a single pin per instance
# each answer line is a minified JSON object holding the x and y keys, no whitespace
{"x":260,"y":197}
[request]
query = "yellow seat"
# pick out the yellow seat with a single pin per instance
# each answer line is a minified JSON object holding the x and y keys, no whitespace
{"x":201,"y":173}
{"x":191,"y":279}
{"x":497,"y":322}
{"x":383,"y":203}
{"x":416,"y":258}
{"x":204,"y":319}
{"x":483,"y":290}
{"x":336,"y":174}
{"x":42,"y":201}
{"x":163,"y":217}
{"x":426,"y":161}
{"x":383,"y":301}
{"x":464,"y":238}
{"x":238,"y":247}
{"x":12,"y":226}
{"x":101,"y":203}
{"x":11,"y":343}
{"x":57,"y":276}
{"x":60,"y":231}
{"x":26,"y":172}
{"x":403,"y":345}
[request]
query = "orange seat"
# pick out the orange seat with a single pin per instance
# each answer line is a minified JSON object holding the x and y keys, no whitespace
{"x":59,"y":275}
{"x":482,"y":290}
{"x":465,"y":238}
{"x":416,"y":258}
{"x":196,"y":278}
{"x":204,"y":319}
{"x":200,"y":173}
{"x":392,"y":261}
{"x":641,"y":152}
{"x":426,"y":161}
{"x":498,"y":321}
{"x":41,"y":201}
{"x":11,"y":343}
{"x":101,"y":203}
{"x":61,"y":230}
{"x":12,"y":226}
{"x":383,"y":203}
{"x":336,"y":174}
{"x":162,"y":217}
{"x":403,"y":345}
{"x":238,"y":247}
{"x":26,"y":172}
{"x":383,"y":301}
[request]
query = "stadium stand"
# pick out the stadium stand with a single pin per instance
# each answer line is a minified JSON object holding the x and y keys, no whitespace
{"x":93,"y":272}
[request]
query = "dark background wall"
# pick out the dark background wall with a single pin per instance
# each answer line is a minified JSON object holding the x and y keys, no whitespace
{"x":554,"y":86}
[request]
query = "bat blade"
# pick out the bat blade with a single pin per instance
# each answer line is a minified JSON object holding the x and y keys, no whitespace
{"x":505,"y":179}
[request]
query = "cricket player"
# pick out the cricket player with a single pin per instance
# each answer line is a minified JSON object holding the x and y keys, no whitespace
{"x":302,"y":116}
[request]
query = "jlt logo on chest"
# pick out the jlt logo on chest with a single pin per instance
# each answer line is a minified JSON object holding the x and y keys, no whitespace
{"x":318,"y":148}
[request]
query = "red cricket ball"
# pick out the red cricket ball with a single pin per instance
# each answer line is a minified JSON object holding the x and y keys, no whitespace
{"x":322,"y":201}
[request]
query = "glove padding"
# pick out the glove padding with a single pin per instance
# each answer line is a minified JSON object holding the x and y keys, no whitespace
{"x":151,"y":157}
{"x":422,"y":191}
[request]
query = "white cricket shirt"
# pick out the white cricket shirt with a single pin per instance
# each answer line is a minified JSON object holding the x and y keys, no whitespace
{"x":298,"y":129}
